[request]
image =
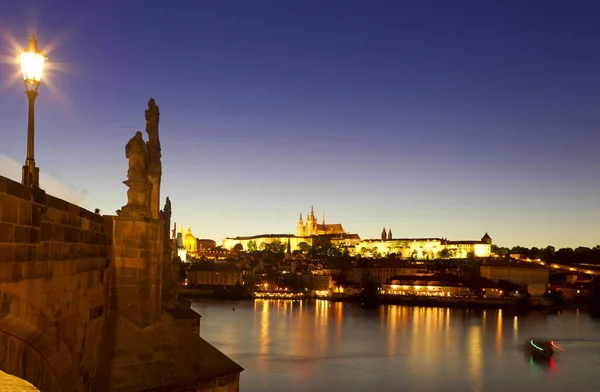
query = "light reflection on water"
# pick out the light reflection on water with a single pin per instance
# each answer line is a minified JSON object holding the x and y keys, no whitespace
{"x":322,"y":346}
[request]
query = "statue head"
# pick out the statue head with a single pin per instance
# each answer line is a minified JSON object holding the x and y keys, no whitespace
{"x":151,"y":103}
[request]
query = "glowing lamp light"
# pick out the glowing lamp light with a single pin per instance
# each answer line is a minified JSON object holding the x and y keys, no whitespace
{"x":32,"y":64}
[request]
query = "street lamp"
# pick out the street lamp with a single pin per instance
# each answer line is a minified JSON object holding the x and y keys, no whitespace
{"x":32,"y":64}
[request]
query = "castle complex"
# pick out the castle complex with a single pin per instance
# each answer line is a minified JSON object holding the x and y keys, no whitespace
{"x":312,"y":233}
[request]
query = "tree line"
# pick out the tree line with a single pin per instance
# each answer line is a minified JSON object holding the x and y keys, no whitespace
{"x":565,"y":256}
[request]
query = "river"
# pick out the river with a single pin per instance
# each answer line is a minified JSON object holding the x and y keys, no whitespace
{"x":325,"y":346}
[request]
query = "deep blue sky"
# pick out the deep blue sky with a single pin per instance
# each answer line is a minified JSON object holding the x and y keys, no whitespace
{"x":434,"y":118}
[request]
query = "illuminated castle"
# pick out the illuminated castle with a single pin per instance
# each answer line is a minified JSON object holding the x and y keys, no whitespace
{"x":312,"y":227}
{"x":311,"y":232}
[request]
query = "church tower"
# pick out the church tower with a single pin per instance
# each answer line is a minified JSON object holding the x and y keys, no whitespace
{"x":300,"y":229}
{"x":311,"y":223}
{"x":389,"y":234}
{"x":486,"y":239}
{"x":383,"y":234}
{"x":180,"y":238}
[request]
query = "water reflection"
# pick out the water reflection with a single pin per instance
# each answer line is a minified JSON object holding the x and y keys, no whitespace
{"x":324,"y":346}
{"x":475,"y":356}
{"x":392,"y":325}
{"x":499,"y":333}
{"x":264,"y":327}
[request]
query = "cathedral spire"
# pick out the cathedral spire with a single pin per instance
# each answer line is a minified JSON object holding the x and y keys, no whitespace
{"x":300,"y":220}
{"x":323,"y":218}
{"x":383,"y":234}
{"x":312,"y":213}
{"x":389,"y":234}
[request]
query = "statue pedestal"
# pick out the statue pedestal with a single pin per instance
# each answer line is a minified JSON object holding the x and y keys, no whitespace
{"x":147,"y":345}
{"x":137,"y":200}
{"x":137,"y":270}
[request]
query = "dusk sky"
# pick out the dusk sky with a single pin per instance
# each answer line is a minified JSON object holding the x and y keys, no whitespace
{"x":435,"y":118}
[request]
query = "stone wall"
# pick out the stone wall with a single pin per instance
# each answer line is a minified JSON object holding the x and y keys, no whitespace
{"x":82,"y":305}
{"x":53,"y":258}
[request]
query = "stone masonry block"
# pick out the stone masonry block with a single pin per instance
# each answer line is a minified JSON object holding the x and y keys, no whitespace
{"x":68,"y":234}
{"x":24,"y":252}
{"x":36,"y":215}
{"x":35,"y":235}
{"x":99,"y":238}
{"x":25,"y":212}
{"x":59,"y":251}
{"x":85,"y":224}
{"x":46,"y":230}
{"x":43,"y":251}
{"x":7,"y":232}
{"x":121,"y":251}
{"x":65,"y":219}
{"x":56,"y":203}
{"x":43,"y":270}
{"x":76,"y":251}
{"x":57,"y":233}
{"x":87,"y":237}
{"x":51,"y":215}
{"x":10,"y":208}
{"x":73,"y":209}
{"x":22,"y":234}
{"x":18,"y":190}
{"x":28,"y":270}
{"x":15,"y":272}
{"x":7,"y":253}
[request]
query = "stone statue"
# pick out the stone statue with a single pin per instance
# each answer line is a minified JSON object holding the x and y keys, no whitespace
{"x":152,"y":117}
{"x":154,"y":158}
{"x":137,"y":178}
{"x":145,"y":171}
{"x":136,"y":152}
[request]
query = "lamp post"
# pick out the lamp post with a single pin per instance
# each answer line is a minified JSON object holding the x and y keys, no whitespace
{"x":32,"y":65}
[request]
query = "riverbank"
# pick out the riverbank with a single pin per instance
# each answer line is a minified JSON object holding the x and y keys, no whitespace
{"x":214,"y":294}
{"x":441,"y":302}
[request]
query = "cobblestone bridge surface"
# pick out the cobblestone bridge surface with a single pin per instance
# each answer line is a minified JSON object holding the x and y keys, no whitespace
{"x":10,"y":383}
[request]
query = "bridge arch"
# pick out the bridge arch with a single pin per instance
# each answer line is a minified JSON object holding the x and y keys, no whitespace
{"x":34,"y":350}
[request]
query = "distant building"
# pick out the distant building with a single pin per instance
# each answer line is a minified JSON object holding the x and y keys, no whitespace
{"x":425,"y":248}
{"x":441,"y":285}
{"x":214,"y":274}
{"x":253,"y":272}
{"x":522,"y":273}
{"x":381,"y":270}
{"x":203,"y":244}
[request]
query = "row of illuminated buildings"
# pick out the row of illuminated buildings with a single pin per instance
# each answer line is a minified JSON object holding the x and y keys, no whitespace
{"x":310,"y":233}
